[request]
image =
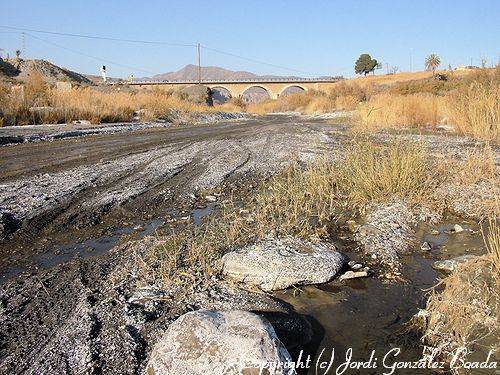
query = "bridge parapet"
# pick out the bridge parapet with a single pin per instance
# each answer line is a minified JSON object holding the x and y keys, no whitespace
{"x":236,"y":88}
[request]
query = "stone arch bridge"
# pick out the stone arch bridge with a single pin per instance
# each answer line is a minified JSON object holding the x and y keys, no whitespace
{"x":236,"y":88}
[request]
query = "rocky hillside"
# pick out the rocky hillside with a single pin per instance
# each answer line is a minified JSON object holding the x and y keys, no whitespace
{"x":190,"y":72}
{"x":20,"y":69}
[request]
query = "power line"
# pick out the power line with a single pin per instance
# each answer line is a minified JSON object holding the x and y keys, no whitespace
{"x":254,"y":60}
{"x":91,"y":56}
{"x":99,"y":37}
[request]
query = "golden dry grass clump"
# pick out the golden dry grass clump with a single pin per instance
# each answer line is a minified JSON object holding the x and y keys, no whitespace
{"x":475,"y":109}
{"x":393,"y":111}
{"x":374,"y":172}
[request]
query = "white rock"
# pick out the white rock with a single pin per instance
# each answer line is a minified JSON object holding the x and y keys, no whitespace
{"x":210,"y":342}
{"x":458,"y":228}
{"x":279,"y":264}
{"x":210,"y":198}
{"x":356,"y":266}
{"x":426,"y":246}
{"x":450,"y":264}
{"x":353,"y":275}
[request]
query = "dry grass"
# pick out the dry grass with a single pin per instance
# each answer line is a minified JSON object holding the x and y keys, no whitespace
{"x":395,"y":111}
{"x":466,"y":312}
{"x":44,"y":104}
{"x":476,"y":109}
{"x":393,"y":79}
{"x":374,"y":172}
{"x":294,"y":102}
{"x":310,"y":102}
{"x":492,"y":243}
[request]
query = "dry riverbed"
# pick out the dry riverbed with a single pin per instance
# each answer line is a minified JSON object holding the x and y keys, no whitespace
{"x":80,"y":213}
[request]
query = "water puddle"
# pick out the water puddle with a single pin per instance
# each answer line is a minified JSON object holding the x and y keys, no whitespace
{"x":369,"y":316}
{"x":61,"y":253}
{"x":199,"y":213}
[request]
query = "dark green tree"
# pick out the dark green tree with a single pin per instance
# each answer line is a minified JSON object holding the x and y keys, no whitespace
{"x":365,"y":64}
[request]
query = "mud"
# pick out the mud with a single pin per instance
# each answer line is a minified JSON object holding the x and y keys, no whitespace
{"x":86,"y":187}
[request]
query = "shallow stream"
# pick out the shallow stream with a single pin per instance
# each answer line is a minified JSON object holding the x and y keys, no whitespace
{"x":370,"y":316}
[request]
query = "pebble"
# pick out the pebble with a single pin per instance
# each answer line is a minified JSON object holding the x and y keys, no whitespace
{"x":426,"y":246}
{"x":458,"y":228}
{"x":353,"y":275}
{"x":434,"y":232}
{"x":210,"y":198}
{"x":351,"y":263}
{"x":357,"y":266}
{"x":374,"y":256}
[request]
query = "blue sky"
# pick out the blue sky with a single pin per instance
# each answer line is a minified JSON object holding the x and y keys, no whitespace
{"x":314,"y":37}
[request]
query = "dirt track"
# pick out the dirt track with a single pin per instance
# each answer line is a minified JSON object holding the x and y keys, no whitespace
{"x":78,"y":188}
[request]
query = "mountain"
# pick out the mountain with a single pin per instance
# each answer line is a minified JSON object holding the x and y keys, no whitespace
{"x":190,"y":72}
{"x":20,"y":69}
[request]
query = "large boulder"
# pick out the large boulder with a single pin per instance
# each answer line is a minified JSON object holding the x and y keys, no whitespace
{"x":293,"y":329}
{"x":279,"y":264}
{"x":211,"y":342}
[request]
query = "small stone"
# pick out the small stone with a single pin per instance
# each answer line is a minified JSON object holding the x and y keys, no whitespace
{"x":426,"y":246}
{"x":434,"y":232}
{"x":357,"y":266}
{"x":374,"y":256}
{"x":351,"y":263}
{"x":211,"y":198}
{"x":449,"y":265}
{"x":458,"y":228}
{"x":353,"y":275}
{"x":366,"y":269}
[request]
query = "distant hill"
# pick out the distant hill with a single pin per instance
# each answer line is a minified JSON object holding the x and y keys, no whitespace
{"x":20,"y":69}
{"x":190,"y":72}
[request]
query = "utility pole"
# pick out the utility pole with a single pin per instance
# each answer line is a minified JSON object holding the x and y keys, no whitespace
{"x":23,"y":49}
{"x":411,"y":67}
{"x":199,"y":64}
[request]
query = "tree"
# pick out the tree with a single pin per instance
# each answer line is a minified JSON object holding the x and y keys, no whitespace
{"x":365,"y":64}
{"x":432,"y":62}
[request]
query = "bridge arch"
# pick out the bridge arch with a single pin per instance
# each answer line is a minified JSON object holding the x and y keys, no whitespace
{"x":303,"y":88}
{"x":212,"y":87}
{"x":270,"y":92}
{"x":218,"y":93}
